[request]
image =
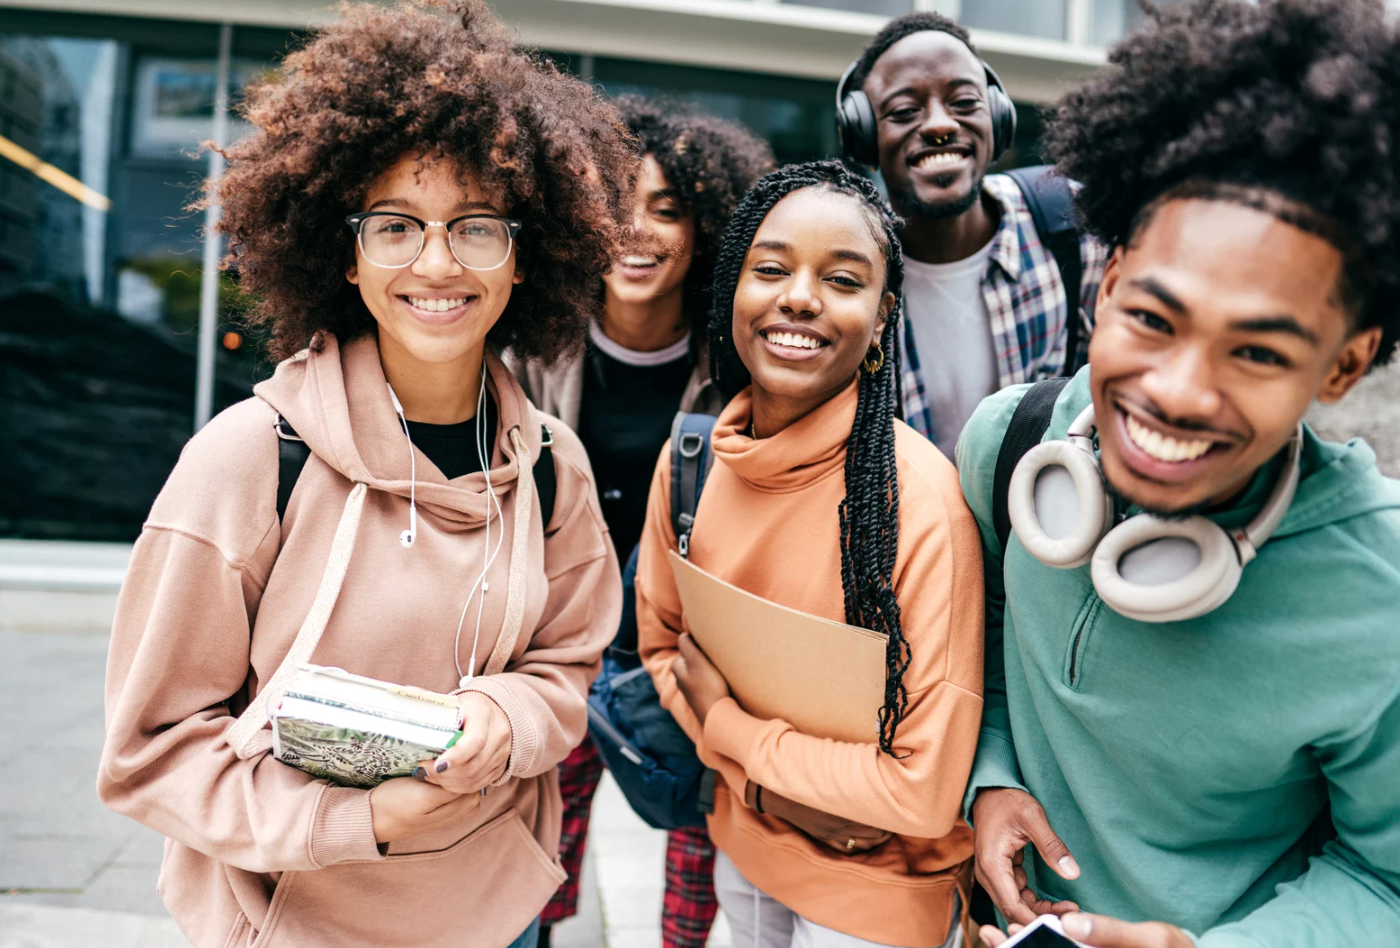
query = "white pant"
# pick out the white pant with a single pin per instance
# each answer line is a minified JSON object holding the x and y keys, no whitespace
{"x":757,"y":920}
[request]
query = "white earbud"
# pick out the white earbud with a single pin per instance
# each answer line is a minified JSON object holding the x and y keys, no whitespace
{"x":1145,"y":568}
{"x":408,"y":536}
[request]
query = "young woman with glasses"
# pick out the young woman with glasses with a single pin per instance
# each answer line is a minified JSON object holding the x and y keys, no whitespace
{"x":821,"y":500}
{"x":416,"y":193}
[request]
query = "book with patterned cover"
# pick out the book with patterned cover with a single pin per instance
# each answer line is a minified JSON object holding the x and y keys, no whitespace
{"x":356,"y":731}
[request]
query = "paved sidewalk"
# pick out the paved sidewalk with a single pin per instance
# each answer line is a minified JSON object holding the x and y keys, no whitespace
{"x":75,"y":875}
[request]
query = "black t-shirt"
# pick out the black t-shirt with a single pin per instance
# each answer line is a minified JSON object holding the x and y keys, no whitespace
{"x":453,"y":447}
{"x":625,"y":419}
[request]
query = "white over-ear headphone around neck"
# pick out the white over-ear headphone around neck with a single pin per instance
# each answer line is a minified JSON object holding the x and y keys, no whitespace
{"x":1145,"y":568}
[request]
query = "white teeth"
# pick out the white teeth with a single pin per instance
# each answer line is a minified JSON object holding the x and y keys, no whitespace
{"x":792,"y":340}
{"x":1162,"y":448}
{"x":940,"y":158}
{"x":435,"y":306}
{"x":635,"y":260}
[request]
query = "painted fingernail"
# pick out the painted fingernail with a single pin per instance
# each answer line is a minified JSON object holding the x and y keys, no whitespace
{"x":1077,"y":926}
{"x":1068,"y":867}
{"x":442,"y":765}
{"x":420,"y":774}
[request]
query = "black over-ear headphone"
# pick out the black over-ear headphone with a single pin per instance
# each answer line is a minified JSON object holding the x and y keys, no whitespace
{"x":855,"y":118}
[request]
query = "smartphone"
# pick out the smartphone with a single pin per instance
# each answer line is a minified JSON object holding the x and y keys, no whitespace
{"x":1044,"y":932}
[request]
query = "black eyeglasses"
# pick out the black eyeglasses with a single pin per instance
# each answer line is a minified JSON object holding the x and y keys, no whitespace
{"x":393,"y":240}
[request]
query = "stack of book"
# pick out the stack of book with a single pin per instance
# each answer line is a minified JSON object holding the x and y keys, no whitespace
{"x":359,"y":731}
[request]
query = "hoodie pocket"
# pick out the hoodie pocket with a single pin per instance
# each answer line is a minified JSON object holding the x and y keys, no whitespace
{"x":479,"y":892}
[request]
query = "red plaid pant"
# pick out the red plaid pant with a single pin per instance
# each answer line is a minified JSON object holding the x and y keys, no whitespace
{"x":689,"y":907}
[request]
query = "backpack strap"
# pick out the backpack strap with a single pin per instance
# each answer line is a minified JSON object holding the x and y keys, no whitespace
{"x":292,"y":453}
{"x":691,"y":460}
{"x":545,"y":482}
{"x":1029,"y":423}
{"x":1051,"y":204}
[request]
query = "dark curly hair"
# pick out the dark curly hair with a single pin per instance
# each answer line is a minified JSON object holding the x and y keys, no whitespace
{"x":896,"y":30}
{"x":1289,"y":106}
{"x":421,"y":78}
{"x":869,"y":513}
{"x":710,"y":163}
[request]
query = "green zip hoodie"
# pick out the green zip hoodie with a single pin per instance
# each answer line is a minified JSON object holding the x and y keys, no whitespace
{"x":1190,"y":767}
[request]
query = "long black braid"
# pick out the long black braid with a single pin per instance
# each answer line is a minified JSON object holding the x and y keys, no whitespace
{"x":869,"y":513}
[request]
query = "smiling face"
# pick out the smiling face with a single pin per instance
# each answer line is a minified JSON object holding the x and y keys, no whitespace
{"x":1214,"y":332}
{"x":656,"y":252}
{"x":934,"y":127}
{"x":810,"y":300}
{"x":434,"y":310}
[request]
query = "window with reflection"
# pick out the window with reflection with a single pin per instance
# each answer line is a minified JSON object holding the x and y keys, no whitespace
{"x":101,"y":120}
{"x":1043,"y":18}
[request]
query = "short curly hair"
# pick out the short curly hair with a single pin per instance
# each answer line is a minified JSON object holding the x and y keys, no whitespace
{"x":1290,"y":106}
{"x":896,"y":30}
{"x":423,"y":77}
{"x":710,"y":163}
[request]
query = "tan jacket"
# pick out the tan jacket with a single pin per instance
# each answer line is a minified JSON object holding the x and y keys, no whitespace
{"x":768,"y":523}
{"x":259,"y":853}
{"x":558,"y":389}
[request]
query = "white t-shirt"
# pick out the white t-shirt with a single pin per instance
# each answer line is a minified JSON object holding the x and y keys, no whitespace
{"x":953,"y":337}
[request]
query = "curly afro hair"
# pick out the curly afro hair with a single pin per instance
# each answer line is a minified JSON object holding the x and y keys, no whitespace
{"x":710,"y":163}
{"x":1289,"y":106}
{"x":421,"y":78}
{"x":896,"y":30}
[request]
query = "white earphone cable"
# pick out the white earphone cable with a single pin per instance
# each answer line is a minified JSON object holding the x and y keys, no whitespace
{"x":481,"y":582}
{"x":408,"y":536}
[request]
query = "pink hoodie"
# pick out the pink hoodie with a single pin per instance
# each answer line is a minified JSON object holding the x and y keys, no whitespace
{"x":260,"y":854}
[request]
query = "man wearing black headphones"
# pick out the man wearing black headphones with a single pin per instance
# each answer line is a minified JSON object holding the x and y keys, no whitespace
{"x":988,"y":287}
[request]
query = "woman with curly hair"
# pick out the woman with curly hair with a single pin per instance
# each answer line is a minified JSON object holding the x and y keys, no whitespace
{"x":642,"y":363}
{"x":416,"y":192}
{"x":821,"y":500}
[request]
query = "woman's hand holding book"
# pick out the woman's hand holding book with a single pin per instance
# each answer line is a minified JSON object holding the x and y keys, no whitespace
{"x":405,"y":807}
{"x":480,"y":755}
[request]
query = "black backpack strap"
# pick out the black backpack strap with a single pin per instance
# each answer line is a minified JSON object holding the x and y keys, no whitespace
{"x":544,"y":473}
{"x":292,"y":453}
{"x":1028,"y":425}
{"x":1051,"y":204}
{"x":691,"y":459}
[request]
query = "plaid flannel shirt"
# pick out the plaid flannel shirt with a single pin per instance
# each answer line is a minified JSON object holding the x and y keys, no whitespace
{"x":1026,"y":305}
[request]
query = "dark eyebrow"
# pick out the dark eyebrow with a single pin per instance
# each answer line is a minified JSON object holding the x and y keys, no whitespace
{"x":777,"y":245}
{"x":1155,"y":287}
{"x":668,"y":193}
{"x":466,"y":207}
{"x":1284,"y":324}
{"x":855,"y":256}
{"x":959,"y":83}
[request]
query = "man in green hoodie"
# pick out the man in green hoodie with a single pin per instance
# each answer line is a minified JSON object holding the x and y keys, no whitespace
{"x":1223,"y":777}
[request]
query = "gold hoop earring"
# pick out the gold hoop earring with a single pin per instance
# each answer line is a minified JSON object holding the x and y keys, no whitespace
{"x":879,"y":362}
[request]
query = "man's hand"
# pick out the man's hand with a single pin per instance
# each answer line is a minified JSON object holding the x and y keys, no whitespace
{"x":1100,"y":931}
{"x":406,"y":807}
{"x":1004,"y":820}
{"x":480,"y":755}
{"x":699,"y":680}
{"x":840,"y":834}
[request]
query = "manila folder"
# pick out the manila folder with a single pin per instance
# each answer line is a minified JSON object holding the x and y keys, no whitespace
{"x":825,"y":678}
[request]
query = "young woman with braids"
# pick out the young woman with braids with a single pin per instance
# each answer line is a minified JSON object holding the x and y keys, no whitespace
{"x":822,"y":500}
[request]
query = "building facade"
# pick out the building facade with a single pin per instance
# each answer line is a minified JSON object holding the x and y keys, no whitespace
{"x":117,"y":336}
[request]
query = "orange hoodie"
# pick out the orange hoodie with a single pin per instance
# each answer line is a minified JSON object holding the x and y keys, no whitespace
{"x":259,"y":852}
{"x":767,"y":522}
